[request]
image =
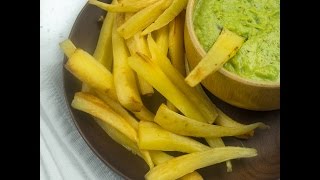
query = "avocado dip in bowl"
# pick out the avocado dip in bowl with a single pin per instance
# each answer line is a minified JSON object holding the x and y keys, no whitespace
{"x":251,"y":79}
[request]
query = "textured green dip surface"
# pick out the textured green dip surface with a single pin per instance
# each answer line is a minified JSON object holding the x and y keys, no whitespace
{"x":257,"y":20}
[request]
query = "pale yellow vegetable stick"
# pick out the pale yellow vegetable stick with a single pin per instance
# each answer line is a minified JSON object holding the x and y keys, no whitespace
{"x":83,"y":66}
{"x":225,"y":47}
{"x":68,"y":47}
{"x":124,"y":78}
{"x":123,"y":6}
{"x":168,"y":15}
{"x":92,"y":105}
{"x":135,"y":44}
{"x":176,"y":48}
{"x":206,"y":107}
{"x":153,"y":137}
{"x":118,"y":109}
{"x":159,"y":157}
{"x":182,"y":165}
{"x":185,"y":126}
{"x":162,"y":39}
{"x":125,"y":142}
{"x":144,"y":114}
{"x":154,"y":76}
{"x":103,"y":52}
{"x":217,"y":142}
{"x":142,"y":19}
{"x":176,"y":43}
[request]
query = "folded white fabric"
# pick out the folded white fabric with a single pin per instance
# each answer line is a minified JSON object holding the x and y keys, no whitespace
{"x":63,"y":153}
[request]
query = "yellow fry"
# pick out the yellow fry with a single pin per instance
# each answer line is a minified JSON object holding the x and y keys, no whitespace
{"x":217,"y":142}
{"x":225,"y":47}
{"x":162,"y":39}
{"x":68,"y":47}
{"x":153,"y":137}
{"x":168,"y":15}
{"x":92,"y":105}
{"x":159,"y":157}
{"x":142,"y":19}
{"x":103,"y":51}
{"x":83,"y":66}
{"x":185,"y":126}
{"x":144,"y":114}
{"x":176,"y":43}
{"x":125,"y":142}
{"x":154,"y":76}
{"x":124,"y":78}
{"x":182,"y":165}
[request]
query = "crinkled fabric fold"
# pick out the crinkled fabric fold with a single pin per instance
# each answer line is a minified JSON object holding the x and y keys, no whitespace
{"x":63,"y":152}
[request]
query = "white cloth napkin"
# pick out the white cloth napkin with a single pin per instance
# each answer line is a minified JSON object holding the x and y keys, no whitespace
{"x":63,"y":153}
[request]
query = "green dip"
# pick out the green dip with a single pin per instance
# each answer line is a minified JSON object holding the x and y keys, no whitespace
{"x":257,"y":20}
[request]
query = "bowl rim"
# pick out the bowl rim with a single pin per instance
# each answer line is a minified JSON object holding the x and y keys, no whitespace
{"x":196,"y":43}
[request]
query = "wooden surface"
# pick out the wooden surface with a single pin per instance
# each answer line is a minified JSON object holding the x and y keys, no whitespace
{"x":227,"y":86}
{"x":265,"y":166}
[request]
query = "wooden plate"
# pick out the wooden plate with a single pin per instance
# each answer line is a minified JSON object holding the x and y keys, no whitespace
{"x":265,"y":166}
